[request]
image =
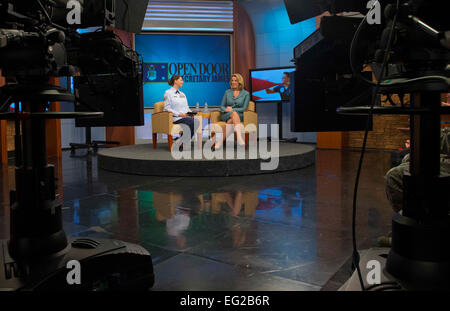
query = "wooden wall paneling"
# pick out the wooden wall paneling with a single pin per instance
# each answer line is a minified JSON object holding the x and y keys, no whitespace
{"x":446,"y":120}
{"x":53,"y":129}
{"x":3,"y":133}
{"x":329,"y":140}
{"x":3,"y":141}
{"x":244,"y":43}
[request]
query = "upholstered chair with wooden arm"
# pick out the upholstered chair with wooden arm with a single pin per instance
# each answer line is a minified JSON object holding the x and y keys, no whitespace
{"x":250,"y":122}
{"x":250,"y":201}
{"x":162,"y":122}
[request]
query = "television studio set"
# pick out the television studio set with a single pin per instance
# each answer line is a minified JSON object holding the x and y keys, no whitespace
{"x":201,"y":147}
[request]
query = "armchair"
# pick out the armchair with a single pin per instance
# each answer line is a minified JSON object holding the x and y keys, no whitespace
{"x":162,"y":122}
{"x":250,"y":117}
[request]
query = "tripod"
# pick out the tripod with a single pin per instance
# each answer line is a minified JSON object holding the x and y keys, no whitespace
{"x":37,"y":255}
{"x":89,"y":144}
{"x":420,"y":255}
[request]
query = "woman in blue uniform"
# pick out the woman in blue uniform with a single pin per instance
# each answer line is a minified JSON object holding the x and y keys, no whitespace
{"x":234,"y":103}
{"x":175,"y":101}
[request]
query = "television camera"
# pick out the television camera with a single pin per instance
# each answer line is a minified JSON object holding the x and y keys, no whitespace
{"x":39,"y":41}
{"x":409,"y":51}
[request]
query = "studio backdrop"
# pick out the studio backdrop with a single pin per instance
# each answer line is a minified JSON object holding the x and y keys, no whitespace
{"x":204,"y":62}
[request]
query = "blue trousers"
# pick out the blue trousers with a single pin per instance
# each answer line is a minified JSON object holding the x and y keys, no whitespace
{"x":191,"y":122}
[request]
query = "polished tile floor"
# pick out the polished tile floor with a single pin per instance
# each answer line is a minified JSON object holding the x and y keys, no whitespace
{"x":285,"y":231}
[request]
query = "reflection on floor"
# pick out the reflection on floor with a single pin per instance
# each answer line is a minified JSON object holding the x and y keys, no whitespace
{"x":285,"y":231}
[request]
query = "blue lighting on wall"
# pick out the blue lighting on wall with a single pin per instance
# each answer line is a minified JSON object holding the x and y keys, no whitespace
{"x":276,"y":37}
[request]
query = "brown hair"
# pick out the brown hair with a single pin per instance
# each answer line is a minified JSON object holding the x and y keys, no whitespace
{"x":240,"y":80}
{"x":173,"y":79}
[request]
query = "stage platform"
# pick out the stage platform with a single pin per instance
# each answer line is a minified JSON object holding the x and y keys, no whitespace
{"x":142,"y":159}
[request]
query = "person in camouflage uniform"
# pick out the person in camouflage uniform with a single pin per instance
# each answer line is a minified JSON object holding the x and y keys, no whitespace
{"x":394,"y":177}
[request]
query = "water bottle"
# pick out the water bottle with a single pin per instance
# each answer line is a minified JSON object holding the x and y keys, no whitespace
{"x":197,"y":107}
{"x":205,"y":110}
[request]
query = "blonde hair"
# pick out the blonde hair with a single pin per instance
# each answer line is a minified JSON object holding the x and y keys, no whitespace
{"x":240,"y":80}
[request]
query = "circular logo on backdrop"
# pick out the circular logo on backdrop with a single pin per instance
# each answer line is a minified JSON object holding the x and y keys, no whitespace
{"x":151,"y":73}
{"x":155,"y":72}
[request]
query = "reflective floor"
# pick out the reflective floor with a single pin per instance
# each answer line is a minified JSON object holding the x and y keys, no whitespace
{"x":286,"y":231}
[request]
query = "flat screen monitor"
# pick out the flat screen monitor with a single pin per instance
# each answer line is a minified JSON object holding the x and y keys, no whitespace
{"x":271,"y":84}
